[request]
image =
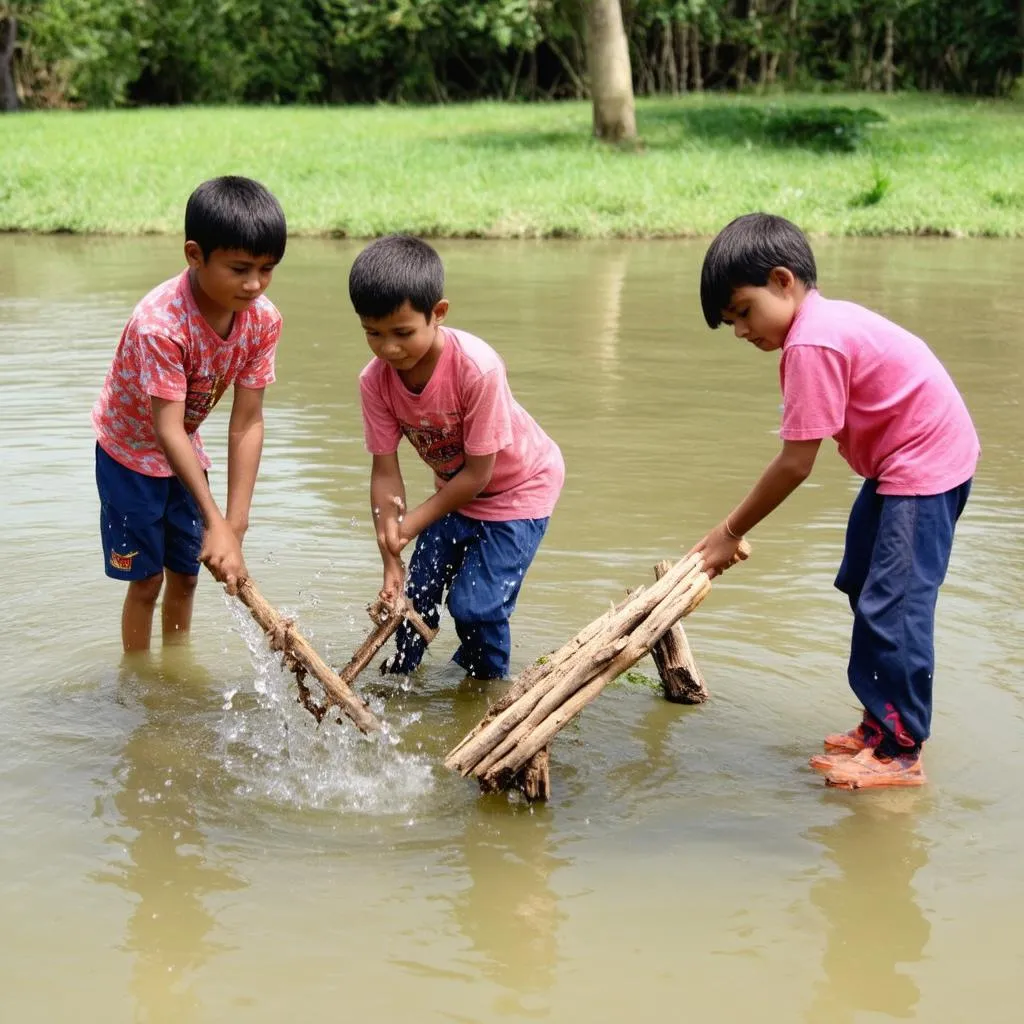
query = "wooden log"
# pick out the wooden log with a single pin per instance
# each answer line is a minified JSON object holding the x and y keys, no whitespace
{"x":535,"y":777}
{"x":301,"y":659}
{"x":681,"y":679}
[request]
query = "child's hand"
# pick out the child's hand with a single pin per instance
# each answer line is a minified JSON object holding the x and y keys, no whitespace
{"x":394,"y":583}
{"x":720,"y":550}
{"x":222,"y":555}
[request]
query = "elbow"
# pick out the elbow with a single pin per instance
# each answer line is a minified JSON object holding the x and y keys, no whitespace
{"x":796,"y":472}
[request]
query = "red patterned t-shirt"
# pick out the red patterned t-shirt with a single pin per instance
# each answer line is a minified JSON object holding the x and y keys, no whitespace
{"x":169,"y":351}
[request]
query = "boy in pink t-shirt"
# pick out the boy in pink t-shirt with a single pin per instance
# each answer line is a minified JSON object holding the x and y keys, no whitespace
{"x":899,"y":421}
{"x":187,"y":341}
{"x":497,"y":475}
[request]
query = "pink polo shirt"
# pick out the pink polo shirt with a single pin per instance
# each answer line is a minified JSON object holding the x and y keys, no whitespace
{"x":466,"y":408}
{"x":881,"y":393}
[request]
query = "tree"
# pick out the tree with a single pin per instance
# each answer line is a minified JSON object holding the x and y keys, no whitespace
{"x":611,"y":77}
{"x":8,"y":36}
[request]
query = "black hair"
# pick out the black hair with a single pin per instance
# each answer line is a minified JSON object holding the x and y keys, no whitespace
{"x":745,"y":252}
{"x":236,"y":213}
{"x":392,"y":271}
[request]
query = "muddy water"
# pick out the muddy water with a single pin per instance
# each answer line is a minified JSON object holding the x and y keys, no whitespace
{"x":180,"y":844}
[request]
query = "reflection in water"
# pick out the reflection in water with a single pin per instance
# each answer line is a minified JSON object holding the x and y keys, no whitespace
{"x":876,"y":929}
{"x":162,"y":779}
{"x":509,"y":911}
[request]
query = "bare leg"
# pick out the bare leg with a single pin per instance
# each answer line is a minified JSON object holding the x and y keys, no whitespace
{"x":137,"y":613}
{"x":176,"y":615}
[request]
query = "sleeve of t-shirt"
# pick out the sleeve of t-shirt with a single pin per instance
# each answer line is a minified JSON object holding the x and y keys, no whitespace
{"x":161,"y":362}
{"x":380,"y":425}
{"x":487,"y":419}
{"x":815,"y":392}
{"x":258,"y":370}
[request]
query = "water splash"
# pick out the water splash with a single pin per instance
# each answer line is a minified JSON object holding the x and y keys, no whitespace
{"x":277,"y":752}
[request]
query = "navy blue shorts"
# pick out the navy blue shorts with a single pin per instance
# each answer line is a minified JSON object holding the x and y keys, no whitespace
{"x":147,"y":523}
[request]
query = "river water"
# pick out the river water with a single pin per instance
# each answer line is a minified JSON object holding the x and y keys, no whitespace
{"x":180,"y":843}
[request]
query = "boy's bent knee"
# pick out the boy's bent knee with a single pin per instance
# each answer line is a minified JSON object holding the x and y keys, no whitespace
{"x":183,"y":585}
{"x":146,"y":591}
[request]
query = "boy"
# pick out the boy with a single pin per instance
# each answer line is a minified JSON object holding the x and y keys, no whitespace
{"x":497,"y":475}
{"x":899,"y":422}
{"x":187,"y":341}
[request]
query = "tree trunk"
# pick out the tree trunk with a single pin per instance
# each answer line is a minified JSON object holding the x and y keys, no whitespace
{"x":683,"y":34}
{"x":890,"y":44}
{"x":791,"y":42}
{"x":611,"y":80}
{"x":8,"y":91}
{"x":695,"y":71}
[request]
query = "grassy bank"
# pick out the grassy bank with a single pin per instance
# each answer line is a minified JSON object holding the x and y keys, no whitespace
{"x":932,"y":165}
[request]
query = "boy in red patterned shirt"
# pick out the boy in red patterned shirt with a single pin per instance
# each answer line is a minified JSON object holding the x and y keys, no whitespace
{"x":187,"y":341}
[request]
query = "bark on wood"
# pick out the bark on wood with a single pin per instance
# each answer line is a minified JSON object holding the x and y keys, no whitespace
{"x":681,"y":679}
{"x":301,"y":659}
{"x":535,"y":778}
{"x":611,"y":78}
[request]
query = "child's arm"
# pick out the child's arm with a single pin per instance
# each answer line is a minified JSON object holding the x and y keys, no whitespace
{"x":221,"y":551}
{"x":463,"y":488}
{"x":387,"y":502}
{"x":245,"y":446}
{"x":785,"y":473}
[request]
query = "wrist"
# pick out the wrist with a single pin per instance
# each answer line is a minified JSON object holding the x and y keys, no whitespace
{"x":730,"y":531}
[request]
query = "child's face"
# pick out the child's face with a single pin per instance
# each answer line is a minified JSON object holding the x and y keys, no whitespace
{"x":406,"y":337}
{"x":764,"y":314}
{"x":232,"y":279}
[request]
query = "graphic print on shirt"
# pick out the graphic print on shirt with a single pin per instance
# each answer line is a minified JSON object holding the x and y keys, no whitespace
{"x":203,"y":394}
{"x":439,"y":443}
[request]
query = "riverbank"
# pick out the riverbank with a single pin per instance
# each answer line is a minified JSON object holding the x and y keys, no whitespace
{"x":926,"y":165}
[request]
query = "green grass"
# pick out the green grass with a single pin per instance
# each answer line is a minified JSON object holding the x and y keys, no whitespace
{"x":929,"y":166}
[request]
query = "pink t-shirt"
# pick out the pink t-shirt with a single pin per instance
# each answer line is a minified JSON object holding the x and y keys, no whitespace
{"x":466,"y":408}
{"x":169,"y":351}
{"x":881,"y":392}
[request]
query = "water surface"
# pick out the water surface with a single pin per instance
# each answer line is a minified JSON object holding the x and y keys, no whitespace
{"x":180,"y":843}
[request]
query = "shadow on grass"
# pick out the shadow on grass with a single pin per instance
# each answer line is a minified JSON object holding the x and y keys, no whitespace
{"x":836,"y":128}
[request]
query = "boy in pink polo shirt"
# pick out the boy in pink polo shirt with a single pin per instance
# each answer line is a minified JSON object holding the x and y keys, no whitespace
{"x":497,"y":475}
{"x":192,"y":337}
{"x":899,"y":421}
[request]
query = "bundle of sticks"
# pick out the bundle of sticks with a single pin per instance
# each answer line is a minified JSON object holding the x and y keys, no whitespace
{"x":510,"y":745}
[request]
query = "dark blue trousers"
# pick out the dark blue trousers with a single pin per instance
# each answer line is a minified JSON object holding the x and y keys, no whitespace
{"x":896,"y":556}
{"x":481,"y":565}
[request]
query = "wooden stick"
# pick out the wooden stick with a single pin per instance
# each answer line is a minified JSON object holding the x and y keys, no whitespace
{"x":301,"y":659}
{"x":681,"y":679}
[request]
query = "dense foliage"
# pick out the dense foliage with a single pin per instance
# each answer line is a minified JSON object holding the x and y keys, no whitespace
{"x":112,"y":52}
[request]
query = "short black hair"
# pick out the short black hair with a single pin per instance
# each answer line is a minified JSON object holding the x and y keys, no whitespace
{"x":236,"y":213}
{"x":745,"y":252}
{"x":392,"y":271}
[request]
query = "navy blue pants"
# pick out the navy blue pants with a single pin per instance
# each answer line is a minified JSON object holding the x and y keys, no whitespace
{"x":481,"y":565}
{"x":897,"y":552}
